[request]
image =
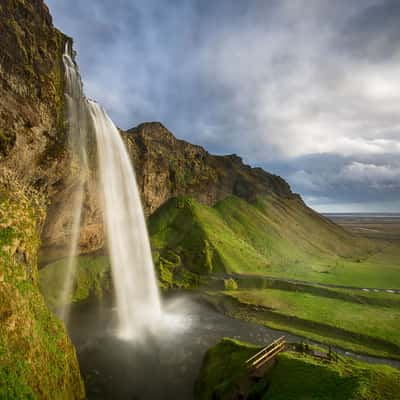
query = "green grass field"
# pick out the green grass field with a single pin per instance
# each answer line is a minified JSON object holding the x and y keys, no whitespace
{"x":372,"y":321}
{"x":295,"y":376}
{"x":357,"y":321}
{"x":379,"y":270}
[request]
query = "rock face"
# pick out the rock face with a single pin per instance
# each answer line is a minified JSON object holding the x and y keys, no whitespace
{"x":32,"y":132}
{"x":37,"y":358}
{"x":167,"y":167}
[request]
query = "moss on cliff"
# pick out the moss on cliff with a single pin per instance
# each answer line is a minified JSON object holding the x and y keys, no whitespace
{"x":37,"y":359}
{"x":223,"y":369}
{"x":178,"y":236}
{"x":92,"y":279}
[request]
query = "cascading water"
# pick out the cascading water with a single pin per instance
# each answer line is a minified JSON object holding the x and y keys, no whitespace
{"x":77,"y":130}
{"x":134,"y":279}
{"x":137,"y":296}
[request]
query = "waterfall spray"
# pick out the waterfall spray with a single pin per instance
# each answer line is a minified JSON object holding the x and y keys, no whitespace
{"x":71,"y":265}
{"x":137,"y":296}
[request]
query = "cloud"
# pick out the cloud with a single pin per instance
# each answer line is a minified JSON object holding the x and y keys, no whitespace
{"x":375,"y":176}
{"x":368,"y":176}
{"x":281,"y":82}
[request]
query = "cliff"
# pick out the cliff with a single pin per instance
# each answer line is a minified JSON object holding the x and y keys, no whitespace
{"x":32,"y":131}
{"x":37,"y":358}
{"x":167,"y":167}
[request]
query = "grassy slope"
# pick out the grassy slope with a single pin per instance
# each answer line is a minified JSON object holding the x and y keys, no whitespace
{"x":275,"y":237}
{"x":295,"y":376}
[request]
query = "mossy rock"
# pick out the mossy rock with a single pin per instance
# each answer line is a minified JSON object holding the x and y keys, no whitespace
{"x":37,"y":358}
{"x":230,"y":284}
{"x":91,"y":281}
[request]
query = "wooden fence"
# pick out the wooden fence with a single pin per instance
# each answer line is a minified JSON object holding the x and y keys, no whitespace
{"x":266,"y":354}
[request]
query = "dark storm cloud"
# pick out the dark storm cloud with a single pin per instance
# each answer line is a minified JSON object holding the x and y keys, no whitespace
{"x":309,"y":89}
{"x":374,"y":33}
{"x":356,"y":179}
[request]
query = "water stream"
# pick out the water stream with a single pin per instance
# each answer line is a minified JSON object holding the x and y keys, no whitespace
{"x":78,"y":123}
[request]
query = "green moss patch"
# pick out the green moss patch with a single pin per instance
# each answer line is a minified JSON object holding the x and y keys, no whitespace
{"x":37,"y":359}
{"x":92,"y":279}
{"x":295,"y":376}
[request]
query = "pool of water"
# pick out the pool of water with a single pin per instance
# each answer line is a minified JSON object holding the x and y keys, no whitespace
{"x":164,"y":364}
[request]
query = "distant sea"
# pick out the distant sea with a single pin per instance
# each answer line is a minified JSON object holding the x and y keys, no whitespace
{"x":363,"y":215}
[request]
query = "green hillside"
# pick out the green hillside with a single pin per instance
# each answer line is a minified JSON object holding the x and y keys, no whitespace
{"x":278,"y":237}
{"x":296,"y":375}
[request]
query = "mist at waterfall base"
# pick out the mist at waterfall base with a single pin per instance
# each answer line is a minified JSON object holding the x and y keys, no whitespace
{"x":162,"y":366}
{"x":138,"y":306}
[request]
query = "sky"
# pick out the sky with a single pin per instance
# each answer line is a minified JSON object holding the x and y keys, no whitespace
{"x":307,"y":89}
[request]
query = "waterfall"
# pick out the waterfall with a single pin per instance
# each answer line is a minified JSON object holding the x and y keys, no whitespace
{"x":134,"y":279}
{"x":137,"y":297}
{"x":77,"y":117}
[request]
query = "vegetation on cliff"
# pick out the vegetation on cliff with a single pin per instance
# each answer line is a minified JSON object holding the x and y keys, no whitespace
{"x":37,"y":357}
{"x":92,"y":280}
{"x":295,"y":376}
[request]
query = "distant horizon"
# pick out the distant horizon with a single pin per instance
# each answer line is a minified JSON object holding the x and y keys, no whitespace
{"x":341,"y":210}
{"x":396,"y":214}
{"x":351,"y":209}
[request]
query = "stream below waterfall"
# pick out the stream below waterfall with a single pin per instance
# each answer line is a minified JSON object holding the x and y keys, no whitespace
{"x":166,"y":365}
